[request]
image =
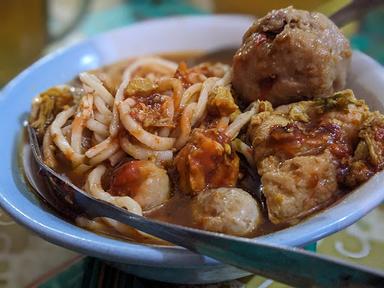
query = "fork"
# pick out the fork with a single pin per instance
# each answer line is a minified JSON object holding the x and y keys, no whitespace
{"x":289,"y":265}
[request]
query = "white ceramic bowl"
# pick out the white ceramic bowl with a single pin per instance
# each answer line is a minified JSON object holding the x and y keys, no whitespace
{"x":172,"y":264}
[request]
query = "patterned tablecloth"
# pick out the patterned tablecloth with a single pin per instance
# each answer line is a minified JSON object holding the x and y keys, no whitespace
{"x":26,"y":259}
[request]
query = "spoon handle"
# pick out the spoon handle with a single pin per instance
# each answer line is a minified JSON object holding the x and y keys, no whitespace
{"x":289,"y":265}
{"x":354,"y":11}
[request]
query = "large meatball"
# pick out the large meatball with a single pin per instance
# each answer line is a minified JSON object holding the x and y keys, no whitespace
{"x":291,"y":55}
{"x":226,"y":210}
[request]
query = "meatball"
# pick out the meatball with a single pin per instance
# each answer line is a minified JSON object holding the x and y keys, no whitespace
{"x":290,"y":55}
{"x":142,"y":180}
{"x":226,"y":210}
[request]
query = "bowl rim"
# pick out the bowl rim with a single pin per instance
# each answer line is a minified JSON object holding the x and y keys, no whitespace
{"x":344,"y":213}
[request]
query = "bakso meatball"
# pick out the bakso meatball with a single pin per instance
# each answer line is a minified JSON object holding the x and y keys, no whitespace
{"x":226,"y":210}
{"x":142,"y":180}
{"x":291,"y":55}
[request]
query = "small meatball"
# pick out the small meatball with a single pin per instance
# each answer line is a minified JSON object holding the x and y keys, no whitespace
{"x":290,"y":55}
{"x":298,"y":186}
{"x":207,"y":161}
{"x":226,"y":210}
{"x":143,"y":181}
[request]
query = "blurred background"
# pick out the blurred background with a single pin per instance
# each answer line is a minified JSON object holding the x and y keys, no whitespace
{"x":33,"y":28}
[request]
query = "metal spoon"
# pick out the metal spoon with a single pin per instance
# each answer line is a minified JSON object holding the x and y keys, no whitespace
{"x":349,"y":13}
{"x":289,"y":265}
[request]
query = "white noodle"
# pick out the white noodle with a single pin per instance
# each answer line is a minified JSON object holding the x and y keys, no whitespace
{"x":59,"y":139}
{"x":172,"y":66}
{"x":84,"y":113}
{"x":206,"y":88}
{"x":81,"y":169}
{"x":242,"y":119}
{"x":92,"y":152}
{"x":114,"y":126}
{"x":115,"y":158}
{"x":103,"y":118}
{"x":208,"y":85}
{"x":223,"y":123}
{"x":244,"y":149}
{"x":98,"y":138}
{"x":151,"y":140}
{"x":175,"y":85}
{"x":67,"y":131}
{"x":97,"y":127}
{"x":93,"y":82}
{"x":164,"y":131}
{"x":77,"y":132}
{"x":101,"y":107}
{"x":119,"y":97}
{"x":105,"y":154}
{"x":185,"y":125}
{"x":143,"y":153}
{"x":226,"y":80}
{"x":187,"y":95}
{"x":170,"y":108}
